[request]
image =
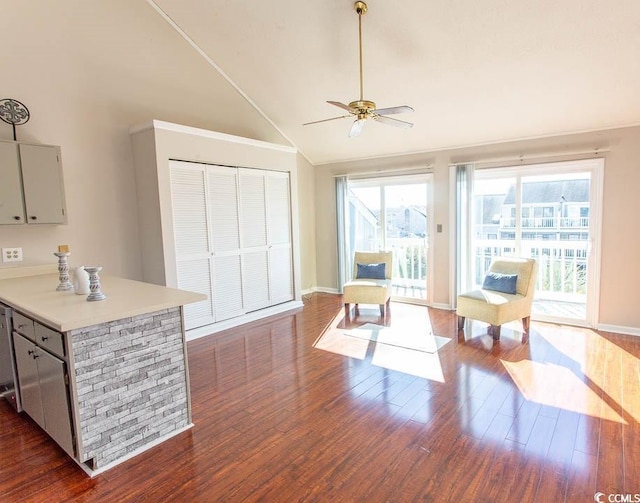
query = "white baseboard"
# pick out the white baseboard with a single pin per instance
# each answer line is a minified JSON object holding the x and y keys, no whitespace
{"x":601,"y":326}
{"x":196,"y":333}
{"x":322,"y":289}
{"x":619,"y":329}
{"x":446,"y":307}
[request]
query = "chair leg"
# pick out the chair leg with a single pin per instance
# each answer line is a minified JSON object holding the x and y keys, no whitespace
{"x":346,"y":310}
{"x":525,"y":324}
{"x":382,"y":310}
{"x":461,"y":322}
{"x":356,"y":309}
{"x":494,"y":330}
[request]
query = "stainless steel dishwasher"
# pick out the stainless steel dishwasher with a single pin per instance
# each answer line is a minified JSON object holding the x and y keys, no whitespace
{"x":8,"y":374}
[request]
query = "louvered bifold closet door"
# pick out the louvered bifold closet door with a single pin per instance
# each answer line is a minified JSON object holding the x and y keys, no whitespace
{"x":253,"y":239}
{"x":279,"y":237}
{"x":190,"y":229}
{"x":224,"y":231}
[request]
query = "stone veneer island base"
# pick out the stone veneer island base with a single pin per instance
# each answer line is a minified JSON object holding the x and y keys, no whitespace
{"x":125,"y":362}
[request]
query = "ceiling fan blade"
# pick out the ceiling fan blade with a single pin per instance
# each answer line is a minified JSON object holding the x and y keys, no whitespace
{"x":393,"y":122}
{"x":327,"y":120}
{"x":403,"y":109}
{"x":356,"y":128}
{"x":343,"y":106}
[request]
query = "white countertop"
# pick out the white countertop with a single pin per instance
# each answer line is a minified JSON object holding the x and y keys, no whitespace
{"x":36,"y":297}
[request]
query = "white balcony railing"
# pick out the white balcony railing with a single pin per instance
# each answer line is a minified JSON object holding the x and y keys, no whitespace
{"x":547,"y":223}
{"x":562,"y":265}
{"x":409,"y":265}
{"x":410,"y":262}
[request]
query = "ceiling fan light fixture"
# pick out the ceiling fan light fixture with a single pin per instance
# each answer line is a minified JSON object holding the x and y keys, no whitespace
{"x":356,"y":127}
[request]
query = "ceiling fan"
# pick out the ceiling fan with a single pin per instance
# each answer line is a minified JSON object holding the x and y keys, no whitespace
{"x":363,"y":109}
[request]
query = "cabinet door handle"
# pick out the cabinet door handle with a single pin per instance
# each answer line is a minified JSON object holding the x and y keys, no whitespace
{"x":30,"y":352}
{"x":33,"y":217}
{"x":44,"y":338}
{"x":16,"y":217}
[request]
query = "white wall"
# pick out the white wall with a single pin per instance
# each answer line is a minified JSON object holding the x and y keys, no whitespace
{"x":307,"y":219}
{"x":88,"y":71}
{"x":620,"y":267}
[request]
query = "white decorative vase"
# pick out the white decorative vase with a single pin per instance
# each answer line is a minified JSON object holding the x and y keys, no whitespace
{"x":80,"y":280}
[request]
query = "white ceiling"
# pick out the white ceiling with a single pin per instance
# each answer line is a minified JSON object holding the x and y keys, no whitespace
{"x":475,"y":71}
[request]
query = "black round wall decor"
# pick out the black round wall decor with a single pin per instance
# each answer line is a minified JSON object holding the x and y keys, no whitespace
{"x":13,"y":112}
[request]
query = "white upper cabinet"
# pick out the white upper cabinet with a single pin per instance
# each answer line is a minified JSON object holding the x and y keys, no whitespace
{"x":11,"y":202}
{"x":32,"y":190}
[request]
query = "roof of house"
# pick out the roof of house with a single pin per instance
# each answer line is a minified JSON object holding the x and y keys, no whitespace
{"x":570,"y":191}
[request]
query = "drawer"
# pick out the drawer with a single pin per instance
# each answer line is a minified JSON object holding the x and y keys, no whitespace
{"x":24,"y":326}
{"x":50,"y":340}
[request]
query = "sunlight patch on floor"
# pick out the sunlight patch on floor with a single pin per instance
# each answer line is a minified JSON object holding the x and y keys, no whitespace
{"x":586,"y":348}
{"x":557,"y":386}
{"x":342,"y":337}
{"x":408,"y":361}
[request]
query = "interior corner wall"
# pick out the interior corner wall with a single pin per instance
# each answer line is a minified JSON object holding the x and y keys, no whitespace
{"x":619,"y":264}
{"x":306,"y":217}
{"x":88,"y":71}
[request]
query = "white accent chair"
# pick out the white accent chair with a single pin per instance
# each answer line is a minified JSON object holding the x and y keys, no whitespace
{"x":369,"y":291}
{"x":495,"y":307}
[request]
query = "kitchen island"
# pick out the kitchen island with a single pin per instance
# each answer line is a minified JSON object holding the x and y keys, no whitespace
{"x":117,"y":367}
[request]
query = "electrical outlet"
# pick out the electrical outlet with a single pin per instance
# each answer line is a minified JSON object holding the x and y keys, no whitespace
{"x":12,"y":254}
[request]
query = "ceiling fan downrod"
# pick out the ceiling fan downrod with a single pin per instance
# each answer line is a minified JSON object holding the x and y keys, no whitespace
{"x":361,"y":105}
{"x":361,"y":9}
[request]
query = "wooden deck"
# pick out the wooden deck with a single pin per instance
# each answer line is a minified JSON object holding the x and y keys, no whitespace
{"x":277,"y":420}
{"x":560,"y":309}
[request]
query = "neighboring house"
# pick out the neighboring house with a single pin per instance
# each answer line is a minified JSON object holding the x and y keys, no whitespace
{"x":551,"y":210}
{"x":489,"y":206}
{"x":406,"y":221}
{"x":363,"y":219}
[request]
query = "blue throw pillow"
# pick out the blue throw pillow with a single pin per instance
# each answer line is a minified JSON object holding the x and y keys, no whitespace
{"x":371,"y":271}
{"x":505,"y":283}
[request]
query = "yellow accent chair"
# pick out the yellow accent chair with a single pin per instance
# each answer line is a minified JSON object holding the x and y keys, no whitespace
{"x":369,"y":290}
{"x":497,"y":307}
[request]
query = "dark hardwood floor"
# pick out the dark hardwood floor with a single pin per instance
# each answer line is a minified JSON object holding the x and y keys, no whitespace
{"x":276,"y":419}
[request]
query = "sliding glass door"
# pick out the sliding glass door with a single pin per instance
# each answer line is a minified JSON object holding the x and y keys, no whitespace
{"x":392,"y":213}
{"x":549,"y":212}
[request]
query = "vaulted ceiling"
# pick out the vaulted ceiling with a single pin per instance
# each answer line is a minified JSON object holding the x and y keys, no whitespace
{"x":476,"y":72}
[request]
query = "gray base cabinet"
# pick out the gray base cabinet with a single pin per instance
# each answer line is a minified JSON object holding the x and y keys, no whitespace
{"x":105,"y":391}
{"x":43,"y":382}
